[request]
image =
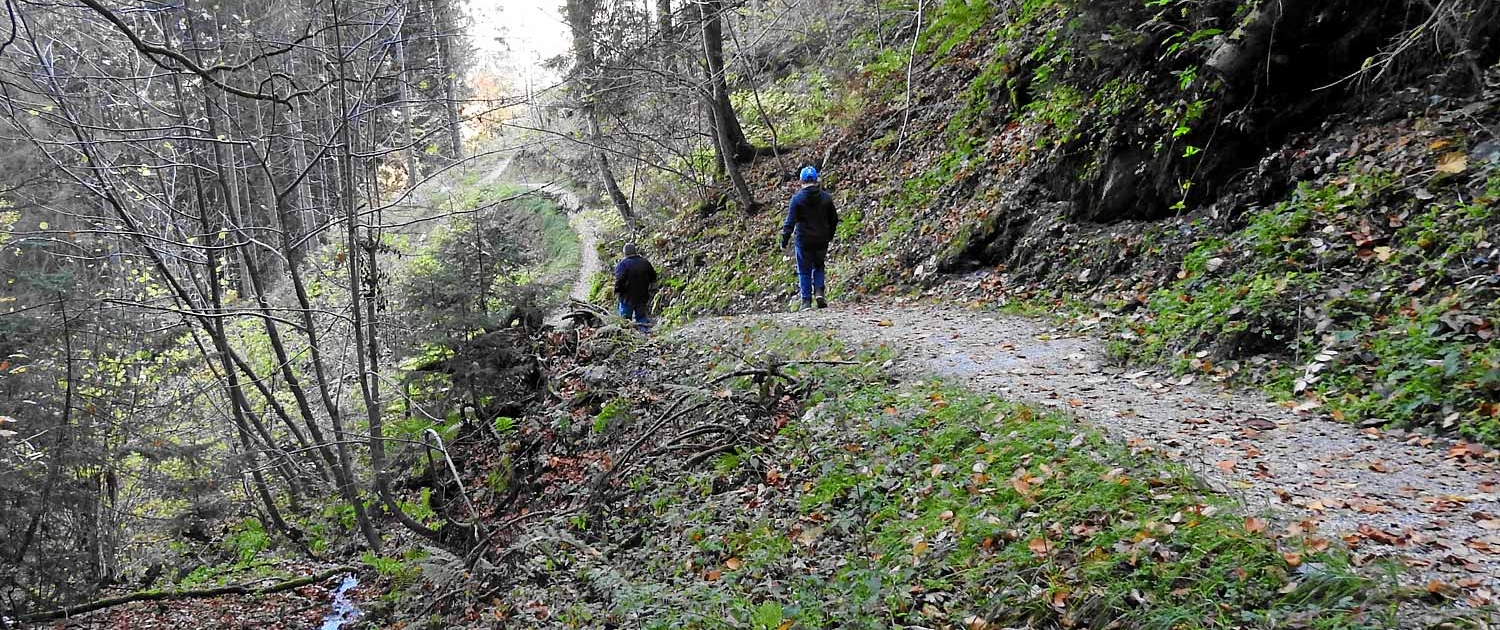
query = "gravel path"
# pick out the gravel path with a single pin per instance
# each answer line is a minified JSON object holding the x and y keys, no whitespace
{"x":1434,"y":505}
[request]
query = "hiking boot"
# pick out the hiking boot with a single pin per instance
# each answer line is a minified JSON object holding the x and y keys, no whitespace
{"x":806,"y":305}
{"x":822,"y":302}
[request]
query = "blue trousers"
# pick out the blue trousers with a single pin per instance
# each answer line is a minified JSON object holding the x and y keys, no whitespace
{"x":638,"y":314}
{"x":811,"y":272}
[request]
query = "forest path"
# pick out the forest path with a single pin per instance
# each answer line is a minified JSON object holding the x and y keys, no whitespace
{"x":1434,"y":508}
{"x":581,"y":220}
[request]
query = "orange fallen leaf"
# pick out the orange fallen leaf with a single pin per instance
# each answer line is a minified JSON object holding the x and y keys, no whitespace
{"x":733,"y":564}
{"x":1255,"y":525}
{"x":1021,"y":487}
{"x":1292,"y":559}
{"x":1060,"y":598}
{"x":1039,"y":546}
{"x":918,"y":549}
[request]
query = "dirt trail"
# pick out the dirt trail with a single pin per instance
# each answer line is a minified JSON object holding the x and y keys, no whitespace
{"x":414,"y":218}
{"x":1431,"y":508}
{"x":587,"y":230}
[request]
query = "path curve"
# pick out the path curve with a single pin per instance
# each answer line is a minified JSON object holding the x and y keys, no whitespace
{"x":1433,"y":507}
{"x":589,"y":264}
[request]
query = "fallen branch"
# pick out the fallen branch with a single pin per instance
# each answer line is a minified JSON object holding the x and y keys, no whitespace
{"x":147,"y":596}
{"x":774,"y":370}
{"x":704,"y":455}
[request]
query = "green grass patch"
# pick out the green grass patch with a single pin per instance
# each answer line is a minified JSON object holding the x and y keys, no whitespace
{"x":928,"y":505}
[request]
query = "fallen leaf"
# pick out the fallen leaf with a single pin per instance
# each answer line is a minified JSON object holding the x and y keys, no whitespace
{"x":1381,"y":536}
{"x":1292,"y":559}
{"x":1260,"y":424}
{"x":810,"y":535}
{"x":917,"y":550}
{"x":1060,"y":597}
{"x":1255,"y":525}
{"x":1039,"y":545}
{"x":1453,"y":163}
{"x":733,"y":564}
{"x":1021,"y":487}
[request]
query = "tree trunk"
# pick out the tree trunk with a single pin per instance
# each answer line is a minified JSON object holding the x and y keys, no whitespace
{"x":728,"y":136}
{"x":580,"y":15}
{"x":665,"y":33}
{"x":727,"y":124}
{"x":443,"y":30}
{"x":606,"y":174}
{"x":403,"y":90}
{"x":345,"y":157}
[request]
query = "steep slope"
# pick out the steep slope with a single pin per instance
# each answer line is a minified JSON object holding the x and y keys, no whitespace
{"x":1317,"y":221}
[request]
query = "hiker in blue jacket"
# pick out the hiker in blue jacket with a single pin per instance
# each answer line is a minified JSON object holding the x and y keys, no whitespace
{"x":634,"y":277}
{"x":812,"y":217}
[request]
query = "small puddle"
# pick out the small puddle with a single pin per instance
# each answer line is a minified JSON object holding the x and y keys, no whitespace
{"x":344,"y":609}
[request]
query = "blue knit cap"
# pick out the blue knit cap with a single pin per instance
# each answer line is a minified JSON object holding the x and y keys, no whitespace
{"x":809,"y":174}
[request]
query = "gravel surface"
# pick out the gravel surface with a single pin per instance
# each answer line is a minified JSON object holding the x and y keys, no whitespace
{"x":1432,"y":504}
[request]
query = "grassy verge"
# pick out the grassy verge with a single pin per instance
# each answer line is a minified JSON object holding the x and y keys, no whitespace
{"x":928,"y":505}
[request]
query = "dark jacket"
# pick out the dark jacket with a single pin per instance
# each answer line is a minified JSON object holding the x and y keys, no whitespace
{"x":633,"y":279}
{"x":812,"y":215}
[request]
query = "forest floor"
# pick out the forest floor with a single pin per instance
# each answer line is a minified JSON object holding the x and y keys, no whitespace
{"x":1432,"y":505}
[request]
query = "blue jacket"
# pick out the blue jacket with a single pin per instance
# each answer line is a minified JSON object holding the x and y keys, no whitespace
{"x":812,"y":216}
{"x":633,"y":279}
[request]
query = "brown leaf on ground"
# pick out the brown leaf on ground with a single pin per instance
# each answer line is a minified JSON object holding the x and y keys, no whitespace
{"x":1381,"y":536}
{"x":1453,"y":163}
{"x":1260,"y":424}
